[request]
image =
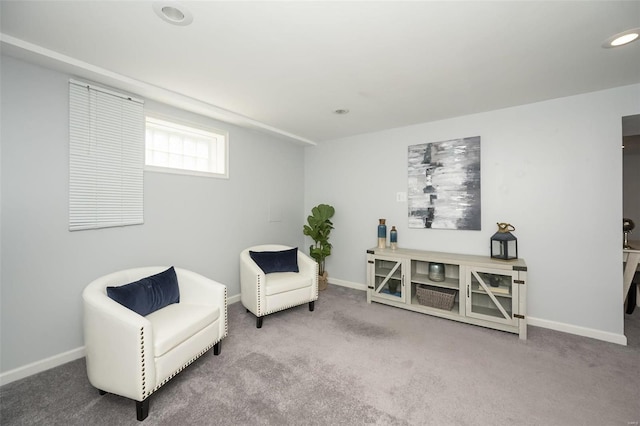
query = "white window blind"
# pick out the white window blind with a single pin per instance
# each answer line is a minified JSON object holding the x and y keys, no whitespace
{"x":106,"y":158}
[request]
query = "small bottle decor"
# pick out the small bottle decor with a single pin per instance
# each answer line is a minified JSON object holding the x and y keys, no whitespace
{"x":382,"y":234}
{"x":393,"y":238}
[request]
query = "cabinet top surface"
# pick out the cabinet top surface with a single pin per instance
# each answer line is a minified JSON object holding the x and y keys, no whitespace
{"x":447,"y":257}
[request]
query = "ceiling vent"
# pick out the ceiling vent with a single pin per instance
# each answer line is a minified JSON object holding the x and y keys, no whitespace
{"x":173,"y":12}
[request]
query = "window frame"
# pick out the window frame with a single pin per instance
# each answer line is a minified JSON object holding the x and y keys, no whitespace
{"x":195,"y":126}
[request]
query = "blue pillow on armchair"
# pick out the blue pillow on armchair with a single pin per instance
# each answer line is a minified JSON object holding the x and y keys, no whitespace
{"x":276,"y":261}
{"x":148,"y":294}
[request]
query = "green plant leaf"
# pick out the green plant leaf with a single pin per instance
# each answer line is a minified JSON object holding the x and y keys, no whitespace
{"x":318,"y":228}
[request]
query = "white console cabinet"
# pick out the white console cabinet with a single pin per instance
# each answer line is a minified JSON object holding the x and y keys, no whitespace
{"x":473,"y":289}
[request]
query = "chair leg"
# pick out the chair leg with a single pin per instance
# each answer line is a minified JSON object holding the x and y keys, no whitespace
{"x":142,"y":409}
{"x":101,"y":392}
{"x":312,"y":305}
{"x":259,"y":322}
{"x":216,"y":348}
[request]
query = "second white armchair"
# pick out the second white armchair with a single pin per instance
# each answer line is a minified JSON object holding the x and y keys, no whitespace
{"x":276,"y":277}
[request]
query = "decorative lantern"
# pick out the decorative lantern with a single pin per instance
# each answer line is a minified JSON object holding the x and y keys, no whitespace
{"x":504,"y":245}
{"x":627,"y":227}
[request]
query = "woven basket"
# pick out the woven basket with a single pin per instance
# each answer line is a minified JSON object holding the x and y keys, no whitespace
{"x":436,"y":297}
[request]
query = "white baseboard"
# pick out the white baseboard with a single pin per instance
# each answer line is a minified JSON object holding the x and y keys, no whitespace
{"x":39,"y":366}
{"x":349,"y":284}
{"x":606,"y":336}
{"x":233,"y":299}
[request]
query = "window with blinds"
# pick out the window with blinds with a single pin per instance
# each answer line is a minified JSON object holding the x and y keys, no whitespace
{"x":106,"y":158}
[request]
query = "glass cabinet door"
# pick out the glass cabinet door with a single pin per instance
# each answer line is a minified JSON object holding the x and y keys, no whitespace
{"x":388,"y":278}
{"x":492,"y":295}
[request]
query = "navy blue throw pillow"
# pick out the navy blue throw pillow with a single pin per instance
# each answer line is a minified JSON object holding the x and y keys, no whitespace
{"x":276,"y":261}
{"x":148,"y":294}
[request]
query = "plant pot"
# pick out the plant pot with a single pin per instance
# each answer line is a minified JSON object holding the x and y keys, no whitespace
{"x":323,"y":281}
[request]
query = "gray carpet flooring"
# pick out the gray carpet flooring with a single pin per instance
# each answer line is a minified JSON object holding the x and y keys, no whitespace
{"x":350,"y":362}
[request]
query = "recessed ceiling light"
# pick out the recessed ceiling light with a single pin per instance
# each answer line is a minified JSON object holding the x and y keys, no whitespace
{"x":627,"y":38}
{"x":341,"y":111}
{"x":173,"y":12}
{"x":622,"y":38}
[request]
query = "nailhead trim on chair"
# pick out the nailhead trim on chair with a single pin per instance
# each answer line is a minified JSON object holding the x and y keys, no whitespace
{"x":226,"y":316}
{"x":317,"y":272}
{"x":142,"y":363}
{"x":290,"y":306}
{"x":183,"y":367}
{"x":226,"y":331}
{"x":258,"y":287}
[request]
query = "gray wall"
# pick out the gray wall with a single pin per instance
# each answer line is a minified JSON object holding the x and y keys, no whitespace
{"x":553,"y":169}
{"x":193,"y":222}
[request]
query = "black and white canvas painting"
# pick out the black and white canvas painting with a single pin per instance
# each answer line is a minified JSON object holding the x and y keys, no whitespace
{"x":444,"y":184}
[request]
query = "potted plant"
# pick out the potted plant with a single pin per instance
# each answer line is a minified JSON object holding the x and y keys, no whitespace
{"x":319,"y":227}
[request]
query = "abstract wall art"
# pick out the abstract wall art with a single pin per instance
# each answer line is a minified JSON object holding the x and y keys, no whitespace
{"x":444,"y":184}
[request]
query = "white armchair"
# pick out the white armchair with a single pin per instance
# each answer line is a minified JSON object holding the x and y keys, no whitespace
{"x":132,"y":355}
{"x":263,"y":294}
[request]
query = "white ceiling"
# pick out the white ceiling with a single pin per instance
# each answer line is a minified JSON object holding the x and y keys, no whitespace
{"x":285,"y":66}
